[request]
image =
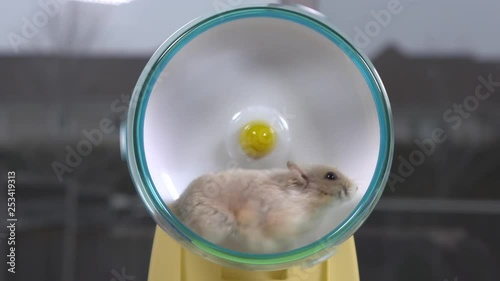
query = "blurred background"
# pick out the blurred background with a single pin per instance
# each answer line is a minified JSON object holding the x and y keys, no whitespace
{"x":65,"y":63}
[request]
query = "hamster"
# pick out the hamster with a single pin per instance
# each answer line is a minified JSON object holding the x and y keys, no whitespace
{"x":261,"y":211}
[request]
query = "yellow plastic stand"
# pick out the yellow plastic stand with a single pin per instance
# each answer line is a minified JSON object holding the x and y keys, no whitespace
{"x":171,"y":262}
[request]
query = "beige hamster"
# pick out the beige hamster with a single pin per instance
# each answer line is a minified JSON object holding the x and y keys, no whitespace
{"x":261,"y":211}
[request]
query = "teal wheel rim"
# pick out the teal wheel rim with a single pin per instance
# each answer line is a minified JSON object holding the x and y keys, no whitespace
{"x":144,"y":183}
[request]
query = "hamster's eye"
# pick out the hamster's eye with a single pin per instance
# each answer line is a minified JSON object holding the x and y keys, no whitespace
{"x":331,"y":176}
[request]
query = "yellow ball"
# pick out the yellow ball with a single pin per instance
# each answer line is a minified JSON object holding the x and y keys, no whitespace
{"x":257,"y":139}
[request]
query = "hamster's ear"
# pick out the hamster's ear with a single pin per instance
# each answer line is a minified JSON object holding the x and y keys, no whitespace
{"x":298,"y":177}
{"x":292,"y":166}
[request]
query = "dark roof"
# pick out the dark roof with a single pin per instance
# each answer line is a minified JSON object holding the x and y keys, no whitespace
{"x":428,"y":79}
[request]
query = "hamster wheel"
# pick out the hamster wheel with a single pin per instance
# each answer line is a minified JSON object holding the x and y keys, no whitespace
{"x":279,"y":64}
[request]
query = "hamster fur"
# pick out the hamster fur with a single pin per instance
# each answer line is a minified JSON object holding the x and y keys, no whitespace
{"x":261,"y":211}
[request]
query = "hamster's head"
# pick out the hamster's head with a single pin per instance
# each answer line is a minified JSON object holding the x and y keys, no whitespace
{"x":325,"y":182}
